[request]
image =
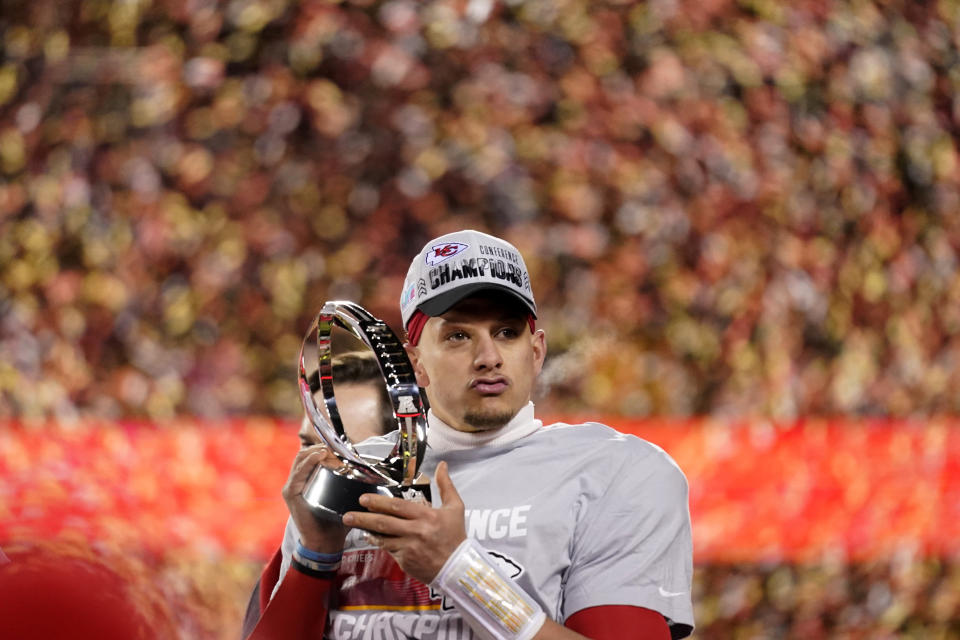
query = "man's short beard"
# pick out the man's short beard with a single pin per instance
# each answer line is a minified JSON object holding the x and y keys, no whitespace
{"x":486,"y":420}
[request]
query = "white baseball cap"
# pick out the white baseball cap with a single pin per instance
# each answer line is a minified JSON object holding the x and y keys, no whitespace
{"x":458,"y":264}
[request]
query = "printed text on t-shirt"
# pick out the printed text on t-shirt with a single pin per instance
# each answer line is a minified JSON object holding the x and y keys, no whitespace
{"x":483,"y":524}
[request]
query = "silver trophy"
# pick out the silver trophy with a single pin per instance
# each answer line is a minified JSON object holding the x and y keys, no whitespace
{"x":330,"y":493}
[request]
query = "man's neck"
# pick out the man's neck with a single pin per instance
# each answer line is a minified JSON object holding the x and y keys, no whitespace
{"x":442,"y":438}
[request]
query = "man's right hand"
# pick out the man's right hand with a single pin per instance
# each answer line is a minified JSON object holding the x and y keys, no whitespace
{"x":315,"y":534}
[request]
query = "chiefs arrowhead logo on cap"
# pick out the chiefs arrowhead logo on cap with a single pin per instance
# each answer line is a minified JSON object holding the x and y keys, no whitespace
{"x":440,"y":252}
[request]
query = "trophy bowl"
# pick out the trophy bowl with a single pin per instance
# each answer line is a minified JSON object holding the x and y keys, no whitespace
{"x":331,"y":493}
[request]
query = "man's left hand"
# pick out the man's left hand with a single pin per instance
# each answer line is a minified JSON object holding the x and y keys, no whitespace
{"x":418,"y":536}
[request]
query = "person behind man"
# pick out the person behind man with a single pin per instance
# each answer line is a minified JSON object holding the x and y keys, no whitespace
{"x":365,"y":412}
{"x":365,"y":408}
{"x":560,"y":531}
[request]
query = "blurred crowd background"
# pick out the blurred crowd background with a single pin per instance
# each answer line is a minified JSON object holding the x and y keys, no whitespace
{"x":729,"y":208}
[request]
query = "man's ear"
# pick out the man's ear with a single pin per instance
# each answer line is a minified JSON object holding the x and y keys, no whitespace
{"x":414,"y":354}
{"x":539,"y":341}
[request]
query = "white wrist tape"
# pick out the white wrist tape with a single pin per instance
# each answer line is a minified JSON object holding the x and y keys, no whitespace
{"x":490,"y":602}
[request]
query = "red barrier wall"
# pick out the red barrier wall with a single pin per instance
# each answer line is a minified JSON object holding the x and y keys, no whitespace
{"x":758,"y":491}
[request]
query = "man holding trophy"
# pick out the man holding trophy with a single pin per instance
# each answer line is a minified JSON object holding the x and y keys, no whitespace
{"x":533,"y":531}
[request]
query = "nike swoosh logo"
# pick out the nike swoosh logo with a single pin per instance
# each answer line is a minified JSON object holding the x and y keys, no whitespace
{"x":670,"y":594}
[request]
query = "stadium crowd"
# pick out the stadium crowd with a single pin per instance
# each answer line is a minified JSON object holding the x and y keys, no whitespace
{"x":752,"y":206}
{"x":901,"y":598}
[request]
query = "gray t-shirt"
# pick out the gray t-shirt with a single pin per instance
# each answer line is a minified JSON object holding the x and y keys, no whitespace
{"x":579,"y":515}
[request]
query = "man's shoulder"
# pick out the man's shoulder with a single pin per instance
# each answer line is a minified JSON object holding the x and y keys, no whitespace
{"x":616,"y":448}
{"x":600,"y":435}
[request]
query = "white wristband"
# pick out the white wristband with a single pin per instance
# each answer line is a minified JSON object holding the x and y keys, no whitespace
{"x":490,"y":602}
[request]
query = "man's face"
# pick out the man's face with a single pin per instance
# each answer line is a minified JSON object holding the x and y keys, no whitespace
{"x":359,"y":406}
{"x":478,"y":362}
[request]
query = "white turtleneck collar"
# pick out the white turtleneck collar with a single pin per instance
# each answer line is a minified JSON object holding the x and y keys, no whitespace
{"x":443,"y":438}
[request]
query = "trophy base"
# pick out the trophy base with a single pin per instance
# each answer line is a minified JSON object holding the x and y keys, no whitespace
{"x":330,"y":495}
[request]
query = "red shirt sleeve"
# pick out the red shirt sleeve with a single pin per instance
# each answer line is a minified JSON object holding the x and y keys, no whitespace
{"x":269,"y":578}
{"x":298,"y":611}
{"x":615,"y":622}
